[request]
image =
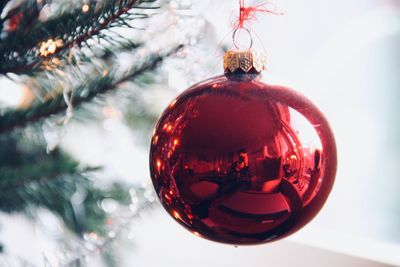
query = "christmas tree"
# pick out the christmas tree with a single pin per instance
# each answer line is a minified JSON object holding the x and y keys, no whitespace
{"x":83,"y":82}
{"x":77,"y":62}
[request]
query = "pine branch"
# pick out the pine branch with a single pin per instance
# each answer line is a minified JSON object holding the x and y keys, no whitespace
{"x":43,"y":169}
{"x":103,"y":247}
{"x":84,"y":92}
{"x":20,"y":51}
{"x":51,"y":181}
{"x":56,"y":193}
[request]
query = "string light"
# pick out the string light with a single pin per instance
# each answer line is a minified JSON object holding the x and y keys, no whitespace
{"x":85,"y":8}
{"x":50,"y":46}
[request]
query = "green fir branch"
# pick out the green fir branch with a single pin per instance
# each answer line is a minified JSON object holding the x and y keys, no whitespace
{"x":19,"y":51}
{"x":43,"y":170}
{"x":83,"y":93}
{"x":50,"y":181}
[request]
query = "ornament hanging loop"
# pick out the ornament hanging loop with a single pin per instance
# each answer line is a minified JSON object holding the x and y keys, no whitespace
{"x":235,"y":37}
{"x":243,"y":59}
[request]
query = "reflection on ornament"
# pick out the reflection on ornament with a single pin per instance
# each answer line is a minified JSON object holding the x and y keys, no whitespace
{"x":239,"y":161}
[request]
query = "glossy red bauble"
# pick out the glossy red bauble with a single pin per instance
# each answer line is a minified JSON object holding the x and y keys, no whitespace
{"x":238,"y":161}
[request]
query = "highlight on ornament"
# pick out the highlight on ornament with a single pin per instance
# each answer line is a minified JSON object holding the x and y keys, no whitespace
{"x":239,"y":161}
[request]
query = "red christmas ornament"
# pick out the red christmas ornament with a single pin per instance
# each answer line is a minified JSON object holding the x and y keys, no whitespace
{"x":239,"y":161}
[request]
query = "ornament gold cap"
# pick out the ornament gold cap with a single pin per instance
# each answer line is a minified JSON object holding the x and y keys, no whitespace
{"x":244,"y":61}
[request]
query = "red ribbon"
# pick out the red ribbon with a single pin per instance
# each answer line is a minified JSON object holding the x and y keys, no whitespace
{"x":247,"y":14}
